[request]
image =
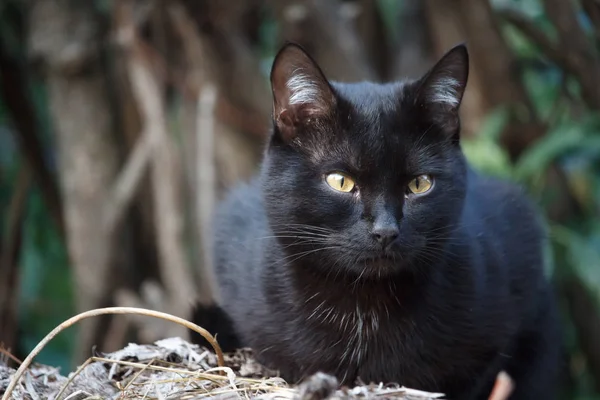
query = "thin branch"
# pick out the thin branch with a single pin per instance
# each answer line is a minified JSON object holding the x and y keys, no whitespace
{"x":228,"y":56}
{"x":503,"y":387}
{"x":128,"y":182}
{"x":592,"y":9}
{"x":151,"y":296}
{"x":9,"y":289}
{"x":6,"y":353}
{"x":206,"y":185}
{"x":176,"y":273}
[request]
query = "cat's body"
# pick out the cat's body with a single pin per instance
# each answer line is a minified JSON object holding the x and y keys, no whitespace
{"x":437,"y":291}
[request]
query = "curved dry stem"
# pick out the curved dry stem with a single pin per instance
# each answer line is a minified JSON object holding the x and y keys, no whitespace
{"x":103,"y":311}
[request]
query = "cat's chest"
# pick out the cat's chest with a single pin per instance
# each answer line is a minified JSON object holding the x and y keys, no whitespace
{"x":348,"y":331}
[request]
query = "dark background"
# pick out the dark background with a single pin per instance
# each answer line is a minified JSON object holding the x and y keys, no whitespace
{"x":123,"y":121}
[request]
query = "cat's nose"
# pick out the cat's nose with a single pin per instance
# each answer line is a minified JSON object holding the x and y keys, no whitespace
{"x":386,"y":234}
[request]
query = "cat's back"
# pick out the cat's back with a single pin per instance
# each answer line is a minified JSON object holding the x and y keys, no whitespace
{"x":508,"y":235}
{"x":240,"y":209}
{"x":503,"y":207}
{"x":239,"y":223}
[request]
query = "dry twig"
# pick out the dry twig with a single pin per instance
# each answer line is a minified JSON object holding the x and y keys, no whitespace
{"x":206,"y":196}
{"x":502,"y":388}
{"x":174,"y":368}
{"x":104,"y":311}
{"x":128,"y":182}
{"x":9,"y":250}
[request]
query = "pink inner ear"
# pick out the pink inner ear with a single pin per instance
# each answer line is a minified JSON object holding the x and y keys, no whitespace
{"x":287,"y":124}
{"x":284,"y":118}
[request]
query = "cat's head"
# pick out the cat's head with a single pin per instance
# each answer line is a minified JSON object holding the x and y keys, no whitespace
{"x":364,"y":178}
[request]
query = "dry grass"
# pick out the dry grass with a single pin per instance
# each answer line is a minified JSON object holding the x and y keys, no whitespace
{"x":175,"y":369}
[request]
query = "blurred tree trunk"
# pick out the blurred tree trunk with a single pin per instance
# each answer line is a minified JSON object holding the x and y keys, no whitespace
{"x":414,"y":53}
{"x":329,"y":36}
{"x":15,"y":86}
{"x":370,"y":27}
{"x":494,"y":80}
{"x":66,"y":37}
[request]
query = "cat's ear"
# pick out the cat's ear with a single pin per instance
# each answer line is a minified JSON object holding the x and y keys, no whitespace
{"x":441,"y":90}
{"x":301,"y":93}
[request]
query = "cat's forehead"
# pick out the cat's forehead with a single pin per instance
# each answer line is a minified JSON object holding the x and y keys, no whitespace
{"x":367,"y":97}
{"x":377,"y":125}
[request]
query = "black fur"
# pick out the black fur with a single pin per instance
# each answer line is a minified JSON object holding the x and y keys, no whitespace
{"x":217,"y":322}
{"x":457,"y":297}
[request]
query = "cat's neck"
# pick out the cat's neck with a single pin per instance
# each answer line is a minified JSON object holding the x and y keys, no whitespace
{"x":354,"y":294}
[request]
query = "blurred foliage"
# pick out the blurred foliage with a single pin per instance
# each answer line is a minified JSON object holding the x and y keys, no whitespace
{"x":46,"y":294}
{"x":46,"y":288}
{"x":573,"y":144}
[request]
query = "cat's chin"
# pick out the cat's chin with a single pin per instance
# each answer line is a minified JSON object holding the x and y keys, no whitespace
{"x":379,"y":267}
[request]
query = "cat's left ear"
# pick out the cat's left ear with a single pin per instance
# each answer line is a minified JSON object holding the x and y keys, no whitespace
{"x":441,"y":90}
{"x":301,"y":93}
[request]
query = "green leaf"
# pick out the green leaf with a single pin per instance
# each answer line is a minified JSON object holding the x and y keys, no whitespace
{"x":583,"y":254}
{"x":494,"y":123}
{"x":565,"y":139}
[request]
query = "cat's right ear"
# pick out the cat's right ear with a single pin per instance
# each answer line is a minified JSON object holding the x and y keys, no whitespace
{"x":301,"y":93}
{"x":441,"y":90}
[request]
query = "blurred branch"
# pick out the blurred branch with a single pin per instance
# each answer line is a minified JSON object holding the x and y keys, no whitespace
{"x":205,"y":156}
{"x":217,"y":51}
{"x":503,"y":387}
{"x":228,"y":58}
{"x":202,"y":134}
{"x":175,"y":271}
{"x":23,"y":115}
{"x":592,"y":9}
{"x":9,"y":255}
{"x":581,"y":56}
{"x":128,"y":182}
{"x":151,"y":297}
{"x":573,"y":52}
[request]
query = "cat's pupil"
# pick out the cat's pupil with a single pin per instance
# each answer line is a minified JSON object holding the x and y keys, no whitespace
{"x":342,"y":182}
{"x":417,"y":182}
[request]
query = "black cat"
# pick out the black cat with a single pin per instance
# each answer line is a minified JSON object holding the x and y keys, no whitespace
{"x":368,"y":248}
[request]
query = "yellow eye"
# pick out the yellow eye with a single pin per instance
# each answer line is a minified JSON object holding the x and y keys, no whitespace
{"x":340,"y":182}
{"x":421,"y":184}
